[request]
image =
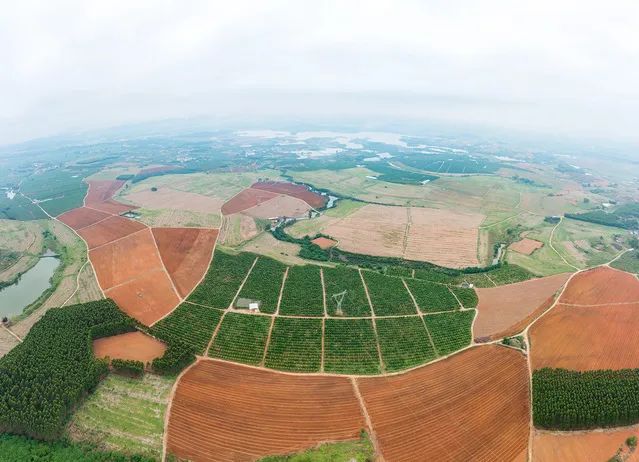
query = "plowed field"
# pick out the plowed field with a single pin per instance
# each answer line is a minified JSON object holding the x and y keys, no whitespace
{"x":280,"y":206}
{"x":295,"y":190}
{"x":324,"y":243}
{"x":101,"y":190}
{"x":472,"y":406}
{"x":82,"y":217}
{"x":590,"y":446}
{"x":526,"y":246}
{"x":147,"y":298}
{"x":125,"y":259}
{"x":186,"y":253}
{"x":228,"y":412}
{"x":112,"y":207}
{"x":601,"y":285}
{"x":245,"y":200}
{"x":506,"y":310}
{"x":586,"y":338}
{"x":109,"y":230}
{"x":132,"y":345}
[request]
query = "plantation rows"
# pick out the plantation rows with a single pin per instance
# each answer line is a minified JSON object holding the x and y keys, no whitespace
{"x":350,"y":345}
{"x":572,"y":400}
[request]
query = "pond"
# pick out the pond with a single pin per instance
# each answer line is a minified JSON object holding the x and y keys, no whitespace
{"x":16,"y":297}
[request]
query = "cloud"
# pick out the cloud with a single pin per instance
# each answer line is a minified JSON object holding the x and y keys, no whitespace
{"x":562,"y":65}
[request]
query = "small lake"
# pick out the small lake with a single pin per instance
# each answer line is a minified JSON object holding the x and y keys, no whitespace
{"x":16,"y":297}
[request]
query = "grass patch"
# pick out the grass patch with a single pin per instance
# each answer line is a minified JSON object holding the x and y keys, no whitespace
{"x":346,"y":451}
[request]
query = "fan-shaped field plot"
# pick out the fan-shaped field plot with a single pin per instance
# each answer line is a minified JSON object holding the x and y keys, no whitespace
{"x":186,"y":254}
{"x":82,"y":217}
{"x":109,"y":230}
{"x":471,"y":406}
{"x":102,"y":190}
{"x":224,"y":412}
{"x":132,"y":345}
{"x":583,"y":446}
{"x":586,"y":338}
{"x":245,"y":200}
{"x":294,"y":190}
{"x":600,"y":286}
{"x":506,"y":310}
{"x":125,"y":259}
{"x":147,"y":298}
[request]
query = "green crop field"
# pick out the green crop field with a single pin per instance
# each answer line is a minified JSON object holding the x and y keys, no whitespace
{"x":190,"y":324}
{"x":467,"y":297}
{"x":296,"y":345}
{"x":264,"y":283}
{"x":431,"y":297}
{"x":350,"y":347}
{"x":388,"y":295}
{"x":629,"y":262}
{"x":303,"y":293}
{"x":355,"y":302}
{"x":241,"y":338}
{"x":450,"y":331}
{"x":222,"y":280}
{"x":404,"y":342}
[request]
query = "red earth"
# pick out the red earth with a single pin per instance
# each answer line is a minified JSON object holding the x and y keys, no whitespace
{"x":245,"y":200}
{"x":82,"y":217}
{"x":101,"y":190}
{"x":135,"y":346}
{"x":324,"y":243}
{"x":295,"y":190}
{"x":601,"y":285}
{"x":109,"y":230}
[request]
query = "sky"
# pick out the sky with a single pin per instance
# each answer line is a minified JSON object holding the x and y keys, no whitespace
{"x":548,"y":66}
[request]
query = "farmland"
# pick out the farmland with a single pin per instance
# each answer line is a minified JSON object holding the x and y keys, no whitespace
{"x":354,"y":302}
{"x":241,"y":338}
{"x":404,"y":343}
{"x":431,"y":297}
{"x":264,"y":283}
{"x":296,"y":345}
{"x":350,"y":347}
{"x":303,"y":294}
{"x":388,"y":295}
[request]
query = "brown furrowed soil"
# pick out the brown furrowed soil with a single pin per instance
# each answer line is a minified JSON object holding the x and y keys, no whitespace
{"x":125,"y":259}
{"x":245,"y":200}
{"x":602,"y":285}
{"x":186,"y":253}
{"x":82,"y":217}
{"x":444,"y":237}
{"x":279,"y":206}
{"x":471,"y":406}
{"x":294,"y":190}
{"x":102,"y":190}
{"x":224,"y":412}
{"x":583,"y":446}
{"x":506,"y":310}
{"x":135,"y":346}
{"x":324,"y":242}
{"x":586,"y":338}
{"x":526,"y":246}
{"x":109,"y":230}
{"x":112,"y":207}
{"x":147,"y":298}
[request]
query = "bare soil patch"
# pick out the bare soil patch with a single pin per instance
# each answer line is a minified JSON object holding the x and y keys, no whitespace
{"x":224,"y":412}
{"x":82,"y":217}
{"x":601,"y":285}
{"x":169,"y":198}
{"x":589,"y":446}
{"x":586,"y":338}
{"x":295,"y":190}
{"x":245,"y":200}
{"x":109,"y":230}
{"x":471,"y":406}
{"x":113,"y":207}
{"x":324,"y":242}
{"x":279,"y":206}
{"x":506,"y":310}
{"x":135,"y":346}
{"x":102,"y":190}
{"x":186,"y":253}
{"x":526,"y":246}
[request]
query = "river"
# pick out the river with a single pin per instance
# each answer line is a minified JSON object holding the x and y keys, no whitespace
{"x":16,"y":297}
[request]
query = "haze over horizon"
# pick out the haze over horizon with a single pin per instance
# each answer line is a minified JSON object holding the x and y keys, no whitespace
{"x":563,"y":67}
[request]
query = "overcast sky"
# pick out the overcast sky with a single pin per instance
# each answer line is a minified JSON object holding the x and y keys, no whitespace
{"x":551,"y":65}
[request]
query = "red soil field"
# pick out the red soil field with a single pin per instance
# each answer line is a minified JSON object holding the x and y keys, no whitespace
{"x":506,"y":310}
{"x":526,"y":246}
{"x":101,"y":190}
{"x":82,"y":217}
{"x":125,"y":259}
{"x":290,"y":189}
{"x":586,"y":446}
{"x":245,"y":200}
{"x":324,"y":242}
{"x":471,"y":406}
{"x":586,"y":338}
{"x":132,"y":345}
{"x":186,"y":254}
{"x":147,"y":298}
{"x":224,"y":412}
{"x":601,"y":285}
{"x":109,"y":230}
{"x":113,"y":207}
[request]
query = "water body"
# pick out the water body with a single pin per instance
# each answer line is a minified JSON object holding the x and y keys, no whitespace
{"x":16,"y":297}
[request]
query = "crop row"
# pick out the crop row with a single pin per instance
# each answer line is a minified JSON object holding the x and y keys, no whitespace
{"x":264,"y":283}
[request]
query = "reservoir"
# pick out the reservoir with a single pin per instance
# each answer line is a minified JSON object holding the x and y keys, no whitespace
{"x":16,"y":297}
